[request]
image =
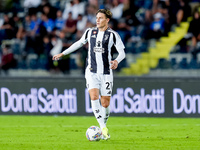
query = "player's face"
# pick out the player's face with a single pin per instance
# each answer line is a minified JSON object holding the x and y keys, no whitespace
{"x":101,"y":20}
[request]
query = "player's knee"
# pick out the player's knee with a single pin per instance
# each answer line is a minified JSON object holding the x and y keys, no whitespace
{"x":105,"y":101}
{"x":94,"y":97}
{"x":94,"y":94}
{"x":105,"y":105}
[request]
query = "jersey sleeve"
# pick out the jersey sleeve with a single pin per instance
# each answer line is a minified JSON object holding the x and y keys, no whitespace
{"x":84,"y":38}
{"x":77,"y":44}
{"x":117,"y":41}
{"x":119,"y":45}
{"x":73,"y":48}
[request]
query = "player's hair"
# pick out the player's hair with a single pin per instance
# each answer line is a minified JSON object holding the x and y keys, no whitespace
{"x":107,"y":12}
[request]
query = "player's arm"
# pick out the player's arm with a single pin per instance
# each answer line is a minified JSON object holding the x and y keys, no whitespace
{"x":73,"y":47}
{"x":120,"y":49}
{"x":120,"y":57}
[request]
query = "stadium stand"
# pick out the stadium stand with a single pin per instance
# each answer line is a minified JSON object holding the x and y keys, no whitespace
{"x":158,"y":35}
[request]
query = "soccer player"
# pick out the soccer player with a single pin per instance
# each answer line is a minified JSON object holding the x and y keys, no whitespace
{"x":98,"y":74}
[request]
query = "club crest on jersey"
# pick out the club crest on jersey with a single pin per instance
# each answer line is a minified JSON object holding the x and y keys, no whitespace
{"x":94,"y":32}
{"x":98,"y":47}
{"x":106,"y":37}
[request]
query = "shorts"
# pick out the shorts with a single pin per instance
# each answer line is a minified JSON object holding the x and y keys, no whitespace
{"x":100,"y":81}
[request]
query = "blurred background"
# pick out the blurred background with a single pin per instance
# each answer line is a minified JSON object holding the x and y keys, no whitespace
{"x":162,"y":37}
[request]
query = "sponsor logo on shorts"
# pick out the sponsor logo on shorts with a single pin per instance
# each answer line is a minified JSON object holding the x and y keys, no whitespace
{"x":109,"y":92}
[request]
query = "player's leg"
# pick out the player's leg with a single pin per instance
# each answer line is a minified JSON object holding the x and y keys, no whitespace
{"x":106,"y":92}
{"x":96,"y":107}
{"x":105,"y":102}
{"x":93,"y":85}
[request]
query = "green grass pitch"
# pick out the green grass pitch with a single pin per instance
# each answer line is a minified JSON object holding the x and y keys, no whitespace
{"x":127,"y":133}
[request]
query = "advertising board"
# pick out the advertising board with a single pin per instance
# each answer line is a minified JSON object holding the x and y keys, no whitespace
{"x":138,"y":97}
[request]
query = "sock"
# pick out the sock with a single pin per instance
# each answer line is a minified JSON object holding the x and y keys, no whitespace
{"x":106,"y":113}
{"x":97,"y":110}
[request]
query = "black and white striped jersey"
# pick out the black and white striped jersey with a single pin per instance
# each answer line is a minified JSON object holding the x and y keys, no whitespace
{"x":100,"y":44}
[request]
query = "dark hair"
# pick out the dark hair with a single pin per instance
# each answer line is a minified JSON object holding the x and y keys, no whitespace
{"x":107,"y":12}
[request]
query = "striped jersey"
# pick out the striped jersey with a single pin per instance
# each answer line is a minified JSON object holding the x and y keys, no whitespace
{"x":100,"y":44}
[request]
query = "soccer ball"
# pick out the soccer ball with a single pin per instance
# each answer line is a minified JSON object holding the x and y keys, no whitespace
{"x":93,"y":133}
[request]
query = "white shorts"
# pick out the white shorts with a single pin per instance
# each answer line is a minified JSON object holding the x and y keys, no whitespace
{"x":100,"y":81}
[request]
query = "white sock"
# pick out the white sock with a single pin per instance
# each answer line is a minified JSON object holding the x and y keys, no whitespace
{"x":106,"y":113}
{"x":97,"y":110}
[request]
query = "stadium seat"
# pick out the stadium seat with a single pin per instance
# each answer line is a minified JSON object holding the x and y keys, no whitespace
{"x":183,"y":64}
{"x":193,"y":64}
{"x":42,"y":63}
{"x":164,"y":64}
{"x":32,"y":61}
{"x":33,"y":64}
{"x":22,"y":64}
{"x":173,"y":63}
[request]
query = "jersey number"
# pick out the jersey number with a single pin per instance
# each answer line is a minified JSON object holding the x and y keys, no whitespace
{"x":109,"y":84}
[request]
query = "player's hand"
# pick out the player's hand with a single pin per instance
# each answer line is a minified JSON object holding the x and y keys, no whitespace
{"x":58,"y":56}
{"x":114,"y":64}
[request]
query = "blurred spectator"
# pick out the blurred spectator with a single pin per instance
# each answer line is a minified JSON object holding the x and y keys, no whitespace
{"x":60,"y":44}
{"x":184,"y":11}
{"x":129,"y":10}
{"x":195,"y":31}
{"x":96,"y":3}
{"x":49,"y":11}
{"x":76,"y":7}
{"x":40,"y":28}
{"x":162,"y":7}
{"x":107,"y":4}
{"x":47,"y":46}
{"x":30,"y":6}
{"x":11,"y":6}
{"x":59,"y":21}
{"x":116,"y":9}
{"x":26,"y":23}
{"x":194,"y":28}
{"x":130,"y":20}
{"x":157,"y":27}
{"x":31,"y":3}
{"x":81,"y":25}
{"x":57,"y":45}
{"x":32,"y":27}
{"x":7,"y":59}
{"x":123,"y":30}
{"x":91,"y":14}
{"x":18,"y":24}
{"x":190,"y":41}
{"x":34,"y":24}
{"x":6,"y":30}
{"x":68,"y":8}
{"x":64,"y":64}
{"x":181,"y":9}
{"x":48,"y":23}
{"x":70,"y":26}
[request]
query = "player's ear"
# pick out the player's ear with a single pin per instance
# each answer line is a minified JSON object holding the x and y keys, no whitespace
{"x":108,"y":20}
